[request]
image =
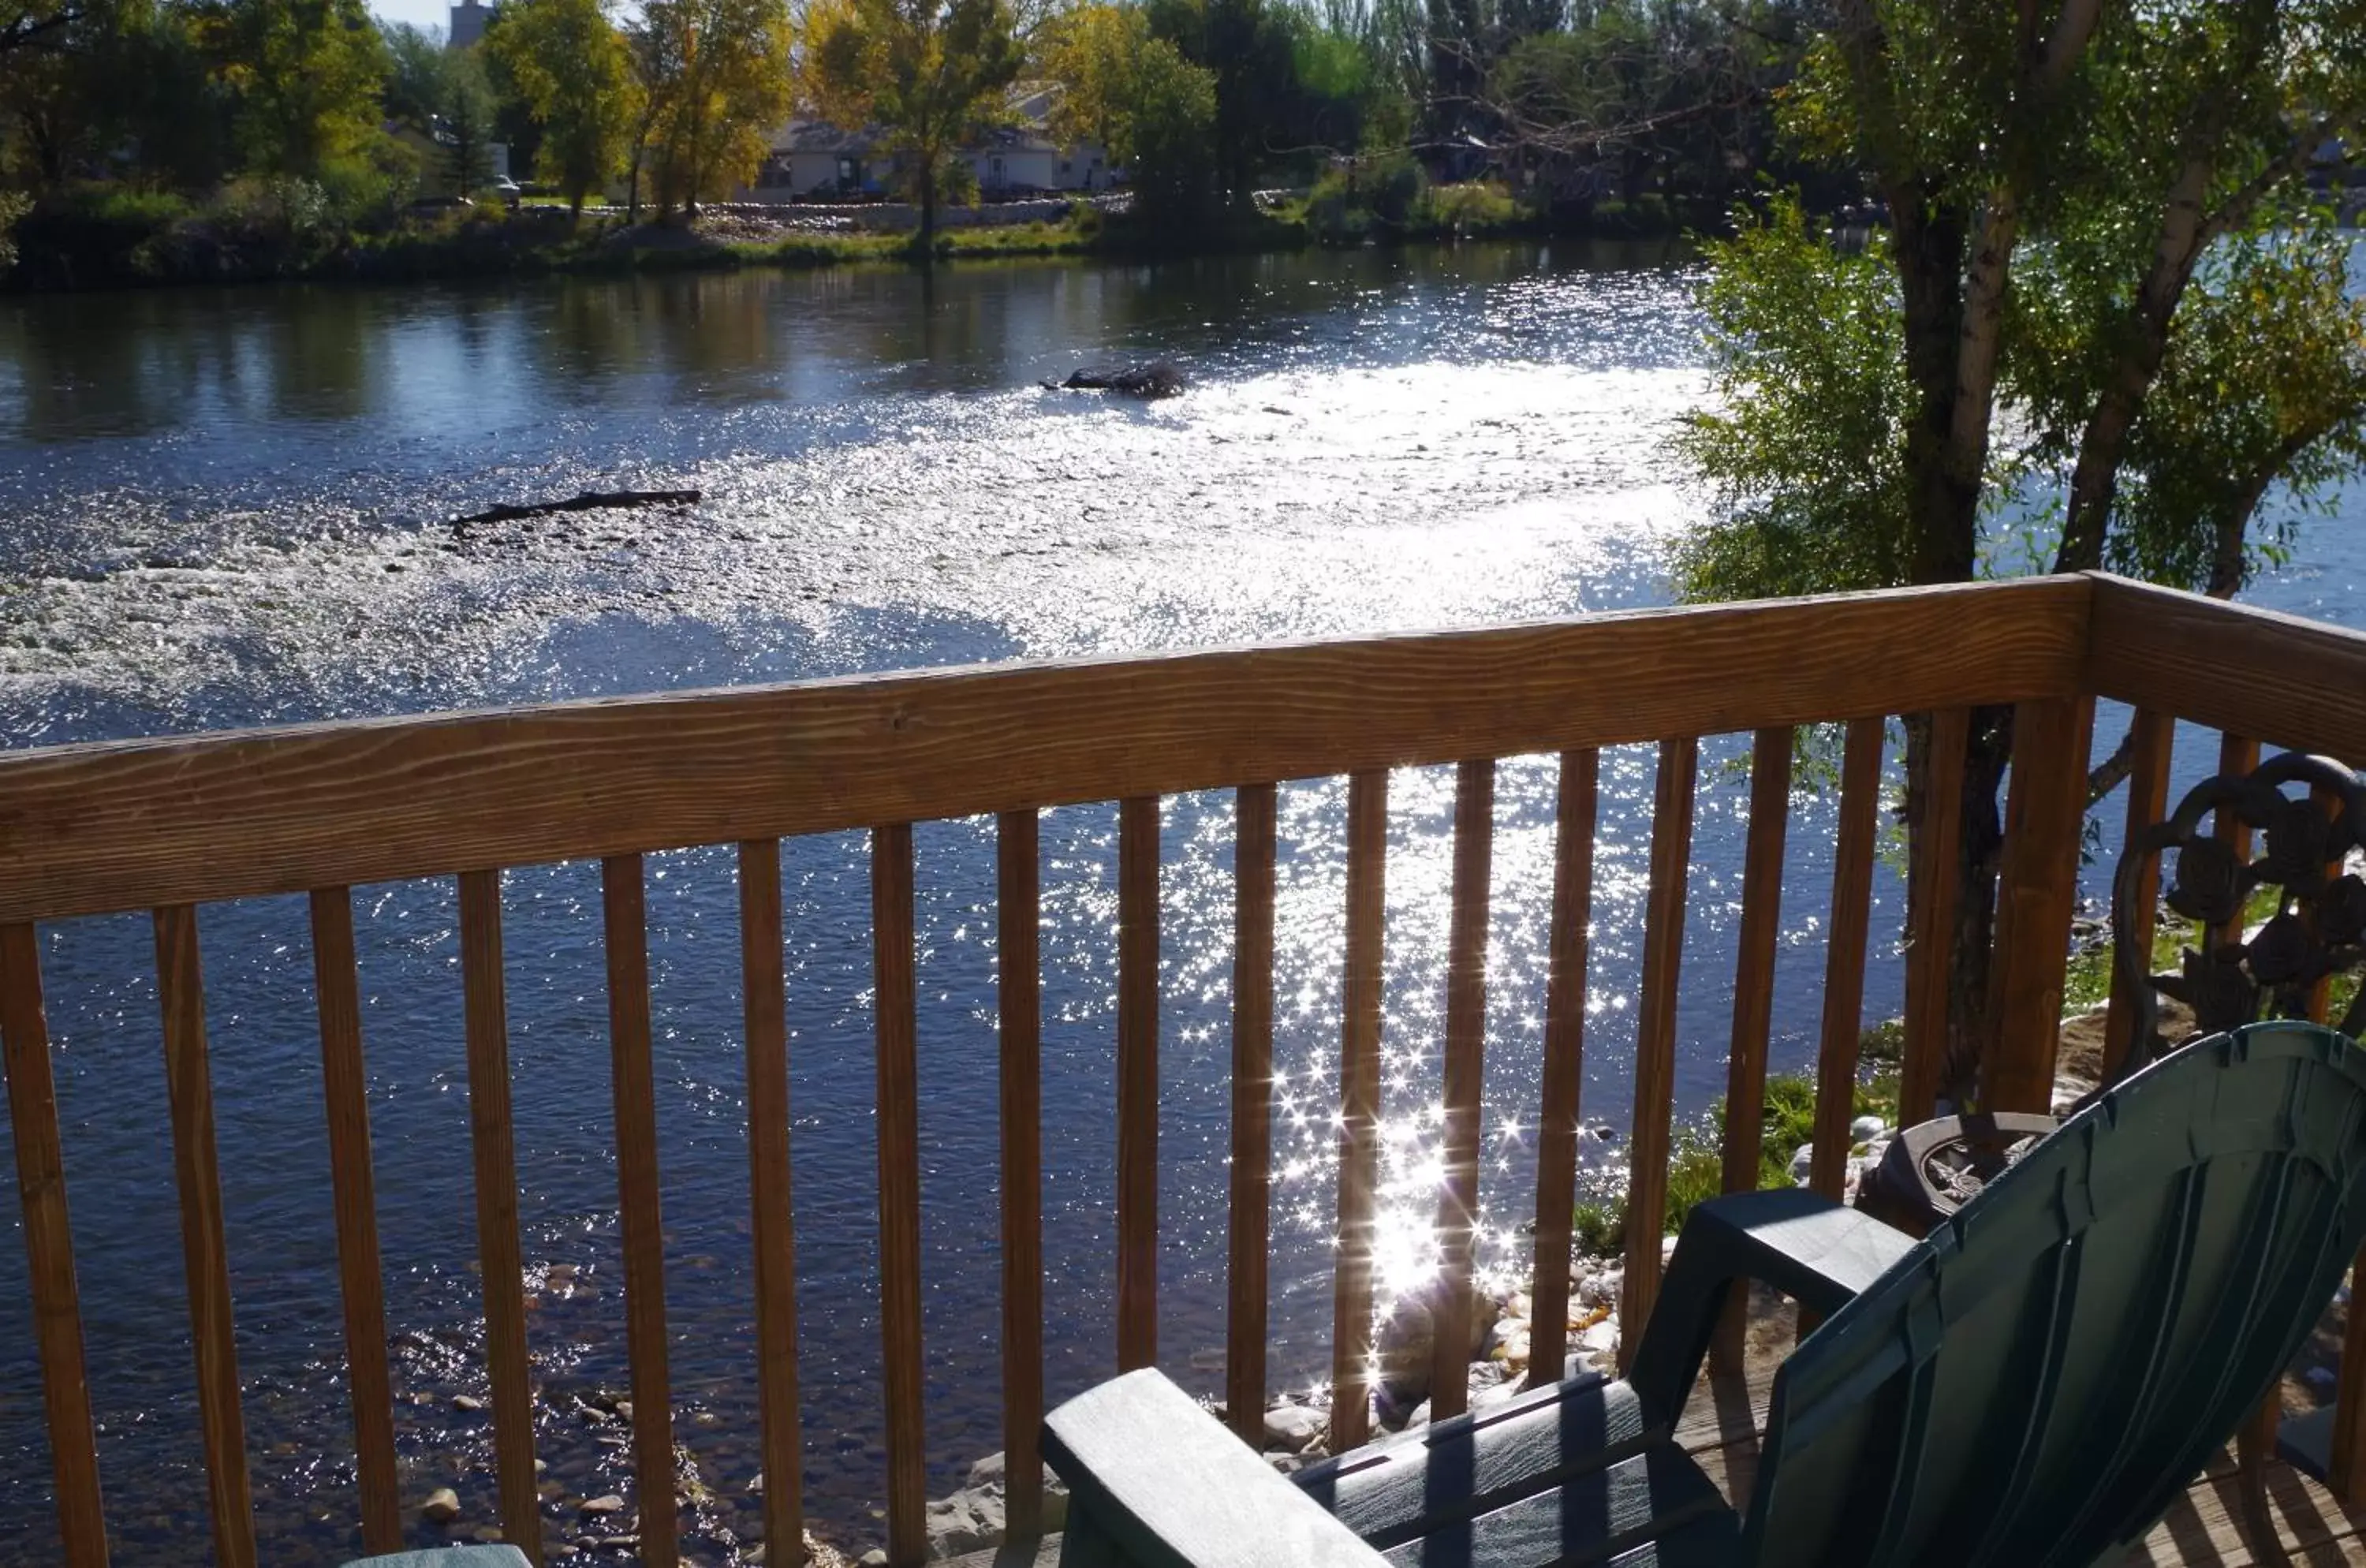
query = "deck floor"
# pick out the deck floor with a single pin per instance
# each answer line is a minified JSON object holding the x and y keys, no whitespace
{"x":2204,"y":1527}
{"x":1721,"y":1429}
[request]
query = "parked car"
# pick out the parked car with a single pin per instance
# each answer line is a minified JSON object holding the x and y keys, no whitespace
{"x":436,"y":206}
{"x":510,"y":191}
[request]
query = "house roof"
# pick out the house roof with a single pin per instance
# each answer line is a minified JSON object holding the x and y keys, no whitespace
{"x":821,"y":136}
{"x":1030,"y":104}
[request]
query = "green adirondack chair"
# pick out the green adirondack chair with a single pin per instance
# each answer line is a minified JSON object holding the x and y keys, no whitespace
{"x":2031,"y":1384}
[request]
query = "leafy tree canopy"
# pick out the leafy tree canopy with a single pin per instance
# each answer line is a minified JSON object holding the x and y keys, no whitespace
{"x":928,"y":74}
{"x":1136,"y":95}
{"x":573,"y":71}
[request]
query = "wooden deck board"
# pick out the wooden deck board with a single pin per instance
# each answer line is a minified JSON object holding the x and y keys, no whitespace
{"x":2203,"y":1530}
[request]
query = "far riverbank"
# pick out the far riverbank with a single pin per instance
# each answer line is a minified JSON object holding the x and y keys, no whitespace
{"x":119,"y":240}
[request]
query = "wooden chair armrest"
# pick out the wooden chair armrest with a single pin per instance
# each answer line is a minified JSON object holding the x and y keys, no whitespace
{"x":1155,"y":1482}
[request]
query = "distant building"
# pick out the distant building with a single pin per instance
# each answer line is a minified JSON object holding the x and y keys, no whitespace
{"x":811,"y":158}
{"x":468,"y":20}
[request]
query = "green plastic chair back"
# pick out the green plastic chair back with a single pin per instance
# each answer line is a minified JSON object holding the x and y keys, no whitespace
{"x":2036,"y":1381}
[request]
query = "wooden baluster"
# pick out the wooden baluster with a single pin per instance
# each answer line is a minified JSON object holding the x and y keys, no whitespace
{"x":1753,"y":992}
{"x":1359,"y":1107}
{"x":764,"y":995}
{"x":345,"y":1086}
{"x":1137,"y":1083}
{"x":181,"y":989}
{"x":1019,"y":971}
{"x":1464,"y":1077}
{"x":49,"y":1248}
{"x":1252,"y":1180}
{"x":899,"y":1190}
{"x":2239,"y":755}
{"x":494,"y":1144}
{"x":2151,"y":735}
{"x":1564,"y":1065}
{"x":2045,"y":804}
{"x":632,"y":1082}
{"x":1931,"y":923}
{"x":1843,"y":1023}
{"x":1655,"y":1037}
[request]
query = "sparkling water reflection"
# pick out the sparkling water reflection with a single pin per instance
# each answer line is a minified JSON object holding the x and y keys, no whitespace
{"x":227,"y":509}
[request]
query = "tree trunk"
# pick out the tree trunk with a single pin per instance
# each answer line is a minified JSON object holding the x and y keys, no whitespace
{"x":926,"y":240}
{"x":1929,"y":239}
{"x":2095,"y":482}
{"x":1952,"y":279}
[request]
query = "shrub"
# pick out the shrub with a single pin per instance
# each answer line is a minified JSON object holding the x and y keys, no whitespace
{"x":1352,"y":200}
{"x":1473,"y":208}
{"x":1697,"y":1161}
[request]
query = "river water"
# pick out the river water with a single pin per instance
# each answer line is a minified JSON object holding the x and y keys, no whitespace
{"x":231,"y":508}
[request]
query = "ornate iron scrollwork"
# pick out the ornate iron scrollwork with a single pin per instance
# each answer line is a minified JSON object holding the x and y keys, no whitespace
{"x":2318,"y":928}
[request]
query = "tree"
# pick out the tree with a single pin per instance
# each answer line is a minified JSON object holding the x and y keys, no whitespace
{"x":716,"y":77}
{"x":74,"y":85}
{"x":573,"y":71}
{"x":2096,"y":227}
{"x":447,"y":95}
{"x":1250,"y":48}
{"x":306,"y":75}
{"x":1673,"y":97}
{"x":1137,"y":96}
{"x":414,"y":76}
{"x":467,"y":111}
{"x":929,"y":74}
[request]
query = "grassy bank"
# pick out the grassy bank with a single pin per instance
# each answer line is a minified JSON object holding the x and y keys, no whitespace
{"x":1697,"y":1160}
{"x":113,"y":238}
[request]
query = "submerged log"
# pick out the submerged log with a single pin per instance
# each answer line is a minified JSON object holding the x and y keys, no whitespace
{"x":590,"y":501}
{"x":1159,"y":380}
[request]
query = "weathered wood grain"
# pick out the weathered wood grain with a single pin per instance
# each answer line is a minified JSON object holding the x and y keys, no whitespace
{"x":1019,"y":978}
{"x":1753,"y":970}
{"x":49,"y":1249}
{"x":1753,"y":989}
{"x":1359,"y":1110}
{"x":1931,"y":920}
{"x":484,"y":1010}
{"x":2037,"y":893}
{"x":772,"y":1227}
{"x":1463,"y":1079}
{"x":1251,"y":1183}
{"x":1561,"y":1093}
{"x":899,"y":1190}
{"x":126,"y":825}
{"x":1851,"y":914}
{"x":189,"y":1088}
{"x":353,"y":1195}
{"x":633,"y":1086}
{"x":1137,"y":1082}
{"x":2277,"y":678}
{"x":1655,"y":1037}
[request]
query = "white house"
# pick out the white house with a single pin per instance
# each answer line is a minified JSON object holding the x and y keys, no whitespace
{"x":812,"y":158}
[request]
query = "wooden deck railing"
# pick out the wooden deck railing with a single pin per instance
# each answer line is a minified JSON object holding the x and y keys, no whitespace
{"x":169,"y":826}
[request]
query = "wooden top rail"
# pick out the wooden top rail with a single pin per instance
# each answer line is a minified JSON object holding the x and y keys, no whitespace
{"x":2288,"y":681}
{"x":92,"y":830}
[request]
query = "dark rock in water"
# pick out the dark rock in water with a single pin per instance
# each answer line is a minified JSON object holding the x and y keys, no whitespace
{"x":1159,"y":380}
